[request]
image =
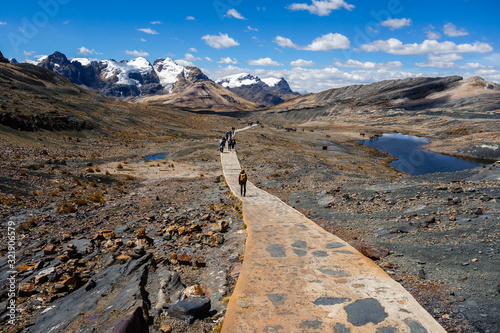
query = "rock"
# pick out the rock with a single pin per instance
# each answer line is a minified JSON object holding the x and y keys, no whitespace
{"x":90,"y":285}
{"x":374,"y":253}
{"x":423,"y":274}
{"x":122,"y":258}
{"x":182,"y":230}
{"x":217,"y":239}
{"x":108,"y":234}
{"x":66,"y":237}
{"x":130,"y":244}
{"x":193,"y":290}
{"x":478,"y":212}
{"x":461,"y":299}
{"x":425,"y":223}
{"x":165,"y":328}
{"x":171,"y":286}
{"x":223,"y":225}
{"x":26,"y":289}
{"x":141,"y":233}
{"x":190,"y":309}
{"x":402,"y":230}
{"x":498,"y":288}
{"x":133,"y":321}
{"x":51,"y":249}
{"x":184,"y":259}
{"x":200,"y":261}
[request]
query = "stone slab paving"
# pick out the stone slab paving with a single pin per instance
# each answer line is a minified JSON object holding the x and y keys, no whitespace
{"x":296,"y":277}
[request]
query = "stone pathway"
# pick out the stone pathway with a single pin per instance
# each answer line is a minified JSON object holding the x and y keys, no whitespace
{"x":296,"y":277}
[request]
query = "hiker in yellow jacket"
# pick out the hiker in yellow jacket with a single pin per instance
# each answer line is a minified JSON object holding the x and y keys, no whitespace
{"x":243,"y":182}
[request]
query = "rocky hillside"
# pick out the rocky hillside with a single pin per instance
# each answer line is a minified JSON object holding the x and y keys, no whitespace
{"x":409,"y":94}
{"x":265,"y":92}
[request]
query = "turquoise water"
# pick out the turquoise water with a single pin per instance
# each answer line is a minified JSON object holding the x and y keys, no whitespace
{"x":412,"y":159}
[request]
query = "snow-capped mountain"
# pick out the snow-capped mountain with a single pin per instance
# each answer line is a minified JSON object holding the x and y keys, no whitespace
{"x":136,"y":77}
{"x":266,"y":92}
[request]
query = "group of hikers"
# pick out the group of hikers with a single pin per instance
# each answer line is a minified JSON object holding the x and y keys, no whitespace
{"x":231,"y":143}
{"x":229,"y":138}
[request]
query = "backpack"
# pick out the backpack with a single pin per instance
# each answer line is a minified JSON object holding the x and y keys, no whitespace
{"x":243,"y":177}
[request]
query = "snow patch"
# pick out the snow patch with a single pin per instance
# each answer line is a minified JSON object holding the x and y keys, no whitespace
{"x":123,"y":69}
{"x":83,"y":61}
{"x":238,"y":80}
{"x":167,"y":71}
{"x":271,"y":81}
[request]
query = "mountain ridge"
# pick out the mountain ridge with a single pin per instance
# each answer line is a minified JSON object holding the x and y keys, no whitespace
{"x":266,"y":92}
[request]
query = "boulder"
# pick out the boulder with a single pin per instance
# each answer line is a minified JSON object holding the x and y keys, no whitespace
{"x":190,"y":309}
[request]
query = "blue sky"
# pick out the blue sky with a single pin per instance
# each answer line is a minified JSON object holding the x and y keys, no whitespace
{"x":314,"y":44}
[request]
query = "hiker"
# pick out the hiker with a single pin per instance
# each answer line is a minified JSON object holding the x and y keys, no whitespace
{"x":242,"y":179}
{"x":232,"y":142}
{"x":222,"y":144}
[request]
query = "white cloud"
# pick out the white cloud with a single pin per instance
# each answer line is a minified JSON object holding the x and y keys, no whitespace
{"x":149,"y":31}
{"x":326,"y":42}
{"x":143,"y":40}
{"x":190,"y":57}
{"x":136,"y":53}
{"x":66,"y":22}
{"x":3,"y":23}
{"x":321,"y":7}
{"x":190,"y":18}
{"x":432,"y":34}
{"x":451,"y":30}
{"x":192,"y":49}
{"x":473,"y":65}
{"x":208,"y":59}
{"x":220,"y":42}
{"x":185,"y":63}
{"x":85,"y":51}
{"x":228,"y":61}
{"x":368,"y":64}
{"x":249,"y":28}
{"x":28,"y":53}
{"x":302,"y":63}
{"x":157,"y":22}
{"x":437,"y":64}
{"x":264,"y":62}
{"x":395,"y":46}
{"x":445,"y":57}
{"x":329,"y":42}
{"x":443,"y":61}
{"x":394,"y":24}
{"x":234,"y":13}
{"x":285,"y":42}
{"x":488,"y":74}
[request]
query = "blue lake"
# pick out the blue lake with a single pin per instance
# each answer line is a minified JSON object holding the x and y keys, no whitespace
{"x":412,"y":159}
{"x":153,"y":157}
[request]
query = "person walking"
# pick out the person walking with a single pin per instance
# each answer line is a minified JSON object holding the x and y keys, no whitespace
{"x":242,"y":179}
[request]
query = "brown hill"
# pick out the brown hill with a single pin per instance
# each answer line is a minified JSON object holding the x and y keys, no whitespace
{"x":202,"y":95}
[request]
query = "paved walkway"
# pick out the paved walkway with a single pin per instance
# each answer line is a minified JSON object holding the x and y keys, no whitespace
{"x":296,"y":277}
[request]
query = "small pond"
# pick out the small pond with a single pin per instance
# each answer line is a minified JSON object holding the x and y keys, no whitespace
{"x":154,"y":157}
{"x":412,"y":159}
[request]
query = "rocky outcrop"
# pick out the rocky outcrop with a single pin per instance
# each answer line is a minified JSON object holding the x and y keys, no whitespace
{"x":3,"y":59}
